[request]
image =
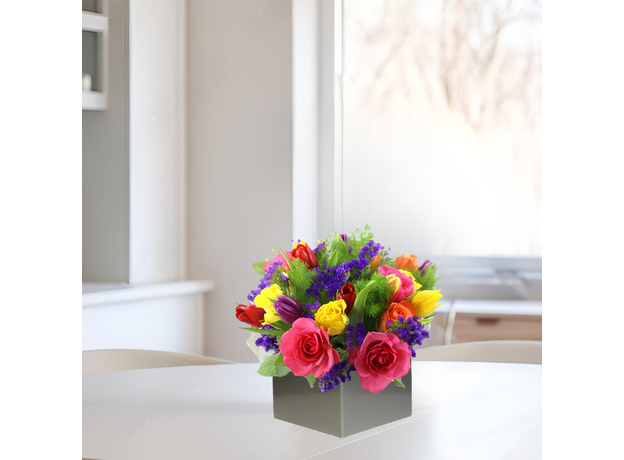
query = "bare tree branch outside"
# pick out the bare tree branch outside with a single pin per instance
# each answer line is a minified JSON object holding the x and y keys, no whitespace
{"x":442,"y":109}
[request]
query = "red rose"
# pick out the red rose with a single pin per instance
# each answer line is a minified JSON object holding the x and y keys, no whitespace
{"x":381,"y":359}
{"x":306,"y":349}
{"x":303,"y":252}
{"x":250,"y":314}
{"x":347,"y":293}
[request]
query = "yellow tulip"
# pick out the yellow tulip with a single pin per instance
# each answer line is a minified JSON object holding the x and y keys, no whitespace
{"x":332,"y":317}
{"x":424,"y":302}
{"x":265,"y":301}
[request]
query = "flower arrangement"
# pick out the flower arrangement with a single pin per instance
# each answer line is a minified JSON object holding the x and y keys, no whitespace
{"x":344,"y":306}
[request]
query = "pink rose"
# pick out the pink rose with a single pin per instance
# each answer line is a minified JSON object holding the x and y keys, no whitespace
{"x":306,"y":349}
{"x":382,"y":358}
{"x":406,"y":285}
{"x":279,"y":257}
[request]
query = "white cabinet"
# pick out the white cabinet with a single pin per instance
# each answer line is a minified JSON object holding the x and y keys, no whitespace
{"x":95,"y":56}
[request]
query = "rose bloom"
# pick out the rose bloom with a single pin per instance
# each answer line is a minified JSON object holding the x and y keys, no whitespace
{"x":250,"y":314}
{"x":306,"y":349}
{"x":265,"y":301}
{"x":406,"y":262}
{"x":332,"y":317}
{"x":403,"y":285}
{"x":392,"y":313}
{"x":382,"y":358}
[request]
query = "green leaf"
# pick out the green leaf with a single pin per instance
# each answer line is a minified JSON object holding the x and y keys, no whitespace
{"x":282,"y":326}
{"x":281,"y":371}
{"x":280,"y":368}
{"x":268,"y":367}
{"x":310,"y":378}
{"x":263,"y":331}
{"x":344,"y":354}
{"x":399,"y":383}
{"x":333,"y":260}
{"x":425,"y":320}
{"x":258,"y":267}
{"x":357,"y":314}
{"x":286,"y":259}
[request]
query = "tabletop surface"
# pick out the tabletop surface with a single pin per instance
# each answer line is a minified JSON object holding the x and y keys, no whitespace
{"x":460,"y":411}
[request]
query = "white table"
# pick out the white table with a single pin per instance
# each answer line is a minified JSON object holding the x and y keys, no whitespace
{"x":460,"y":411}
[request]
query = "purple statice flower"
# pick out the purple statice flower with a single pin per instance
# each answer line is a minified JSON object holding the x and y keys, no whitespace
{"x":265,"y":282}
{"x":369,"y":251}
{"x":340,"y":372}
{"x":320,"y":246}
{"x":288,"y":309}
{"x":284,"y":277}
{"x":268,"y":342}
{"x":355,"y":336}
{"x":330,"y":279}
{"x":409,"y":331}
{"x":423,"y":266}
{"x":310,"y":309}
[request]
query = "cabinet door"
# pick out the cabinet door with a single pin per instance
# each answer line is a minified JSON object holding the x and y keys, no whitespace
{"x":470,"y":327}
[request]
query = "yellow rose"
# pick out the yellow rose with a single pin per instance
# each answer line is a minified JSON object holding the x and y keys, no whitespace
{"x":332,"y":317}
{"x":265,"y":300}
{"x":424,"y":302}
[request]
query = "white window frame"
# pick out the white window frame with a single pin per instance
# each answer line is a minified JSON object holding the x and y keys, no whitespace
{"x":317,"y":158}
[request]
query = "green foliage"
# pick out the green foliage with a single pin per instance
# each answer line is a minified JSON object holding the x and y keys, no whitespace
{"x":336,"y":252}
{"x":338,"y":341}
{"x":359,"y":238}
{"x":378,"y":296}
{"x":258,"y":266}
{"x":359,"y":306}
{"x":273,"y":366}
{"x":300,"y":280}
{"x":310,"y":378}
{"x":277,"y":279}
{"x":428,"y":280}
{"x":399,"y":383}
{"x":263,"y":331}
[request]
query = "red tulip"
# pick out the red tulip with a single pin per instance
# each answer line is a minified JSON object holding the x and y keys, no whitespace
{"x":347,"y":293}
{"x":250,"y":314}
{"x":303,"y":252}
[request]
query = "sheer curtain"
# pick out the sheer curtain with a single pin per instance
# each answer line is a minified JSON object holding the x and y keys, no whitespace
{"x":442,"y":125}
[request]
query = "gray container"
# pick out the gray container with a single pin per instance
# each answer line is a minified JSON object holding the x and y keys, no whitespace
{"x":342,"y":411}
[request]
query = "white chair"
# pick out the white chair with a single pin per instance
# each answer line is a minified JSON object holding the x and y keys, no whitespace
{"x":493,"y":351}
{"x":95,"y":361}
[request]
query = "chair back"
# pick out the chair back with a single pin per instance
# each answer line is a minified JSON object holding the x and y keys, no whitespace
{"x":493,"y":351}
{"x":95,"y":361}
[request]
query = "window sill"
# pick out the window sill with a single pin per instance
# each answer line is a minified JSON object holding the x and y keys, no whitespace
{"x":95,"y":294}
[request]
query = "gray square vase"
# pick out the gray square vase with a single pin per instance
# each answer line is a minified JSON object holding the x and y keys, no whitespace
{"x":342,"y":411}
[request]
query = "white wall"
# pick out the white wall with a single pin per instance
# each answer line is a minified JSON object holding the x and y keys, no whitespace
{"x":239,"y":153}
{"x":168,"y":324}
{"x":157,"y":140}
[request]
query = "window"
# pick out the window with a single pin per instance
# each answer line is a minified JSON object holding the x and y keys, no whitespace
{"x":441,"y":131}
{"x":423,"y":119}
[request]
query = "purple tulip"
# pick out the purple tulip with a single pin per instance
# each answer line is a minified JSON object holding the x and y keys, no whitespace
{"x":422,"y":267}
{"x":344,"y":237}
{"x":288,"y":309}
